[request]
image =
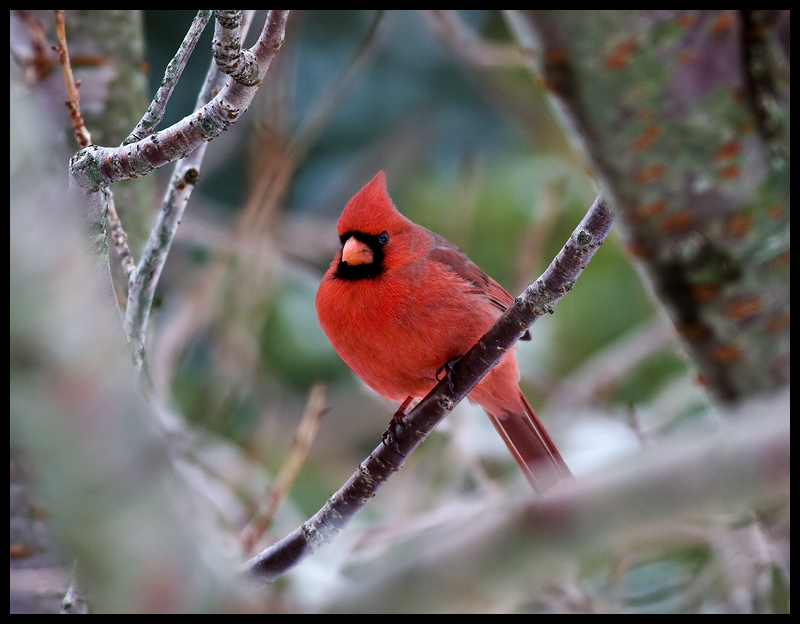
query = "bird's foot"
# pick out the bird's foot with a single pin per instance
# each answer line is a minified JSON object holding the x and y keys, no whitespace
{"x":447,"y":368}
{"x":389,"y":438}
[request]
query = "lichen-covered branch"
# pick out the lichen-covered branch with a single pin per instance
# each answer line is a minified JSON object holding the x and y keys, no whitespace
{"x":94,"y":167}
{"x":241,"y":65}
{"x":155,"y":112}
{"x":681,"y":115}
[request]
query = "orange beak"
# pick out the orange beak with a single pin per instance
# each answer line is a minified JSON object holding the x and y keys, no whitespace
{"x":355,"y":252}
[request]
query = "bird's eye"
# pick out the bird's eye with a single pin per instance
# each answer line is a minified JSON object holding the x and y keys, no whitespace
{"x":383,"y":238}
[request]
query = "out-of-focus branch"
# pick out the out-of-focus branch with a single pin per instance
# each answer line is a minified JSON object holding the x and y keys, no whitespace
{"x":698,"y":192}
{"x":40,"y":63}
{"x":537,"y":300}
{"x":461,"y":38}
{"x":306,"y":432}
{"x":643,"y":500}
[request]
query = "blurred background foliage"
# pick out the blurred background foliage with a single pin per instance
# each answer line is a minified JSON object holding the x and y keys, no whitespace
{"x":471,"y":151}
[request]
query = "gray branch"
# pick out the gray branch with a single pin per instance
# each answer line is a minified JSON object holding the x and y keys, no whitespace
{"x":95,"y":167}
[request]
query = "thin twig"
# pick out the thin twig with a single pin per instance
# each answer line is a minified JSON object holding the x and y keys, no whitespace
{"x":155,"y":112}
{"x":115,"y":231}
{"x":537,"y":300}
{"x":306,"y":432}
{"x":117,"y":234}
{"x":316,"y":121}
{"x":41,"y":62}
{"x":73,"y":103}
{"x":462,"y":39}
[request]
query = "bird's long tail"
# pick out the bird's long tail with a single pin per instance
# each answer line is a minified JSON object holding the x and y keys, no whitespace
{"x":531,"y":446}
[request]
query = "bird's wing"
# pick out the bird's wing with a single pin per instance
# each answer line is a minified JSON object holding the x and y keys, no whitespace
{"x":444,"y":252}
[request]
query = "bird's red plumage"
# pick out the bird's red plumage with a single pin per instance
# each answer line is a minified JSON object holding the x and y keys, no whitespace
{"x":427,"y":304}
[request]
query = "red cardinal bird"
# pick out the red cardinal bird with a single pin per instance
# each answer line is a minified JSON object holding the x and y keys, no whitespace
{"x":398,"y":302}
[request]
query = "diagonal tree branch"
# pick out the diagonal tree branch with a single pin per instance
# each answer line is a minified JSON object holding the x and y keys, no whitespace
{"x":537,"y":300}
